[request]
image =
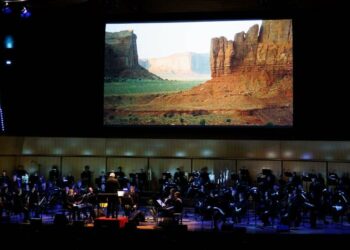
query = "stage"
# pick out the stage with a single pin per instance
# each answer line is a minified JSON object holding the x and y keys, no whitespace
{"x":191,"y":222}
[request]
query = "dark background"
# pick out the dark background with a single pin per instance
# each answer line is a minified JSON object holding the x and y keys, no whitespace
{"x":55,"y":87}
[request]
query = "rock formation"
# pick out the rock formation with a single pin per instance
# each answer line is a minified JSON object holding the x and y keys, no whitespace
{"x":270,"y":49}
{"x":121,"y":59}
{"x":180,"y":66}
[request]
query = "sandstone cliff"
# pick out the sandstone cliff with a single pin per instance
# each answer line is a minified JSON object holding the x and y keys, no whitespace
{"x":180,"y":66}
{"x":269,"y":50}
{"x":121,"y":59}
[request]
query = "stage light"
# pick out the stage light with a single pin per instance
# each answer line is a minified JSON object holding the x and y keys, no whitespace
{"x":25,"y":13}
{"x":8,"y":62}
{"x":307,"y":156}
{"x":271,"y":154}
{"x":180,"y":154}
{"x":207,"y":152}
{"x":129,"y":153}
{"x":9,"y":42}
{"x":6,"y":9}
{"x":2,"y":120}
{"x":27,"y":151}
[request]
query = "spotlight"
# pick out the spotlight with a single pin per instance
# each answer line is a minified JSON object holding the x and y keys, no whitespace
{"x":6,"y":9}
{"x":25,"y":13}
{"x":8,"y":62}
{"x":9,"y":42}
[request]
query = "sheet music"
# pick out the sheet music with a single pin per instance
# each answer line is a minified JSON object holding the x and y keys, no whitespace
{"x":161,"y":203}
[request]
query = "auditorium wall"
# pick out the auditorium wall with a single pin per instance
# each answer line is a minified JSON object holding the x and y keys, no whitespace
{"x":156,"y":156}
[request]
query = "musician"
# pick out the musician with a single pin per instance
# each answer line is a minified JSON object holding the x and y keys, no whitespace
{"x":130,"y":201}
{"x":238,"y":206}
{"x":315,"y":190}
{"x":204,"y":176}
{"x":69,"y":181}
{"x":4,"y":179}
{"x":90,"y":202}
{"x":54,"y":175}
{"x":295,"y":205}
{"x":170,"y":200}
{"x":141,"y":180}
{"x":33,"y":179}
{"x":86,"y":177}
{"x":265,"y":208}
{"x":172,"y":206}
{"x":6,"y":200}
{"x":101,"y":182}
{"x":340,"y":205}
{"x":180,"y":180}
{"x":212,"y":208}
{"x":34,"y":201}
{"x":20,"y":171}
{"x":120,"y":174}
{"x":71,"y":204}
{"x":178,"y":207}
{"x":112,"y":186}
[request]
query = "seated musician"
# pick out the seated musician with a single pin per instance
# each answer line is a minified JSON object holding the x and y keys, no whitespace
{"x":90,"y":202}
{"x":71,"y":204}
{"x":178,"y":206}
{"x":173,"y":207}
{"x":130,"y":201}
{"x":170,"y":200}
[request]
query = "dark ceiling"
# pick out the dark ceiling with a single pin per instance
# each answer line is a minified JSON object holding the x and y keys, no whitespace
{"x":113,"y":7}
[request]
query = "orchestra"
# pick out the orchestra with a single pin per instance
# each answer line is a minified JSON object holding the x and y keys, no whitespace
{"x":289,"y":200}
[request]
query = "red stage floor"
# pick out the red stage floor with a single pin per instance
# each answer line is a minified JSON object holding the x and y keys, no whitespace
{"x":121,"y":219}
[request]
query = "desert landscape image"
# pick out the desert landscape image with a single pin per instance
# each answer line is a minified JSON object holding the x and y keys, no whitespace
{"x":225,"y":73}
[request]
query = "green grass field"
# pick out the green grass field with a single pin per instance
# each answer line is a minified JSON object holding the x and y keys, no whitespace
{"x":130,"y":86}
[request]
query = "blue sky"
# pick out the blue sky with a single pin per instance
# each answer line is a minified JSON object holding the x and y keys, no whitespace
{"x":163,"y":39}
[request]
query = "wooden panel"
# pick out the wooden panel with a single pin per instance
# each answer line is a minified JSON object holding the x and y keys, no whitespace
{"x":129,"y":165}
{"x":10,"y":145}
{"x":63,"y":146}
{"x":301,"y":167}
{"x":159,"y":166}
{"x":182,"y":148}
{"x":193,"y":148}
{"x":39,"y":164}
{"x":130,"y":147}
{"x":253,"y":149}
{"x":255,"y":167}
{"x":8,"y":163}
{"x":316,"y":150}
{"x":76,"y":165}
{"x":83,"y":146}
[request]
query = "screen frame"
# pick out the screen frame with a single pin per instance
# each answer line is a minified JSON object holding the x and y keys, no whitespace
{"x":204,"y":131}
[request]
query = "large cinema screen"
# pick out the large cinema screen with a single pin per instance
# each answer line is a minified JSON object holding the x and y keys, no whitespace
{"x":212,"y":73}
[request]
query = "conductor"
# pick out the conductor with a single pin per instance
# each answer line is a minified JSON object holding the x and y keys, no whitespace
{"x":112,"y":186}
